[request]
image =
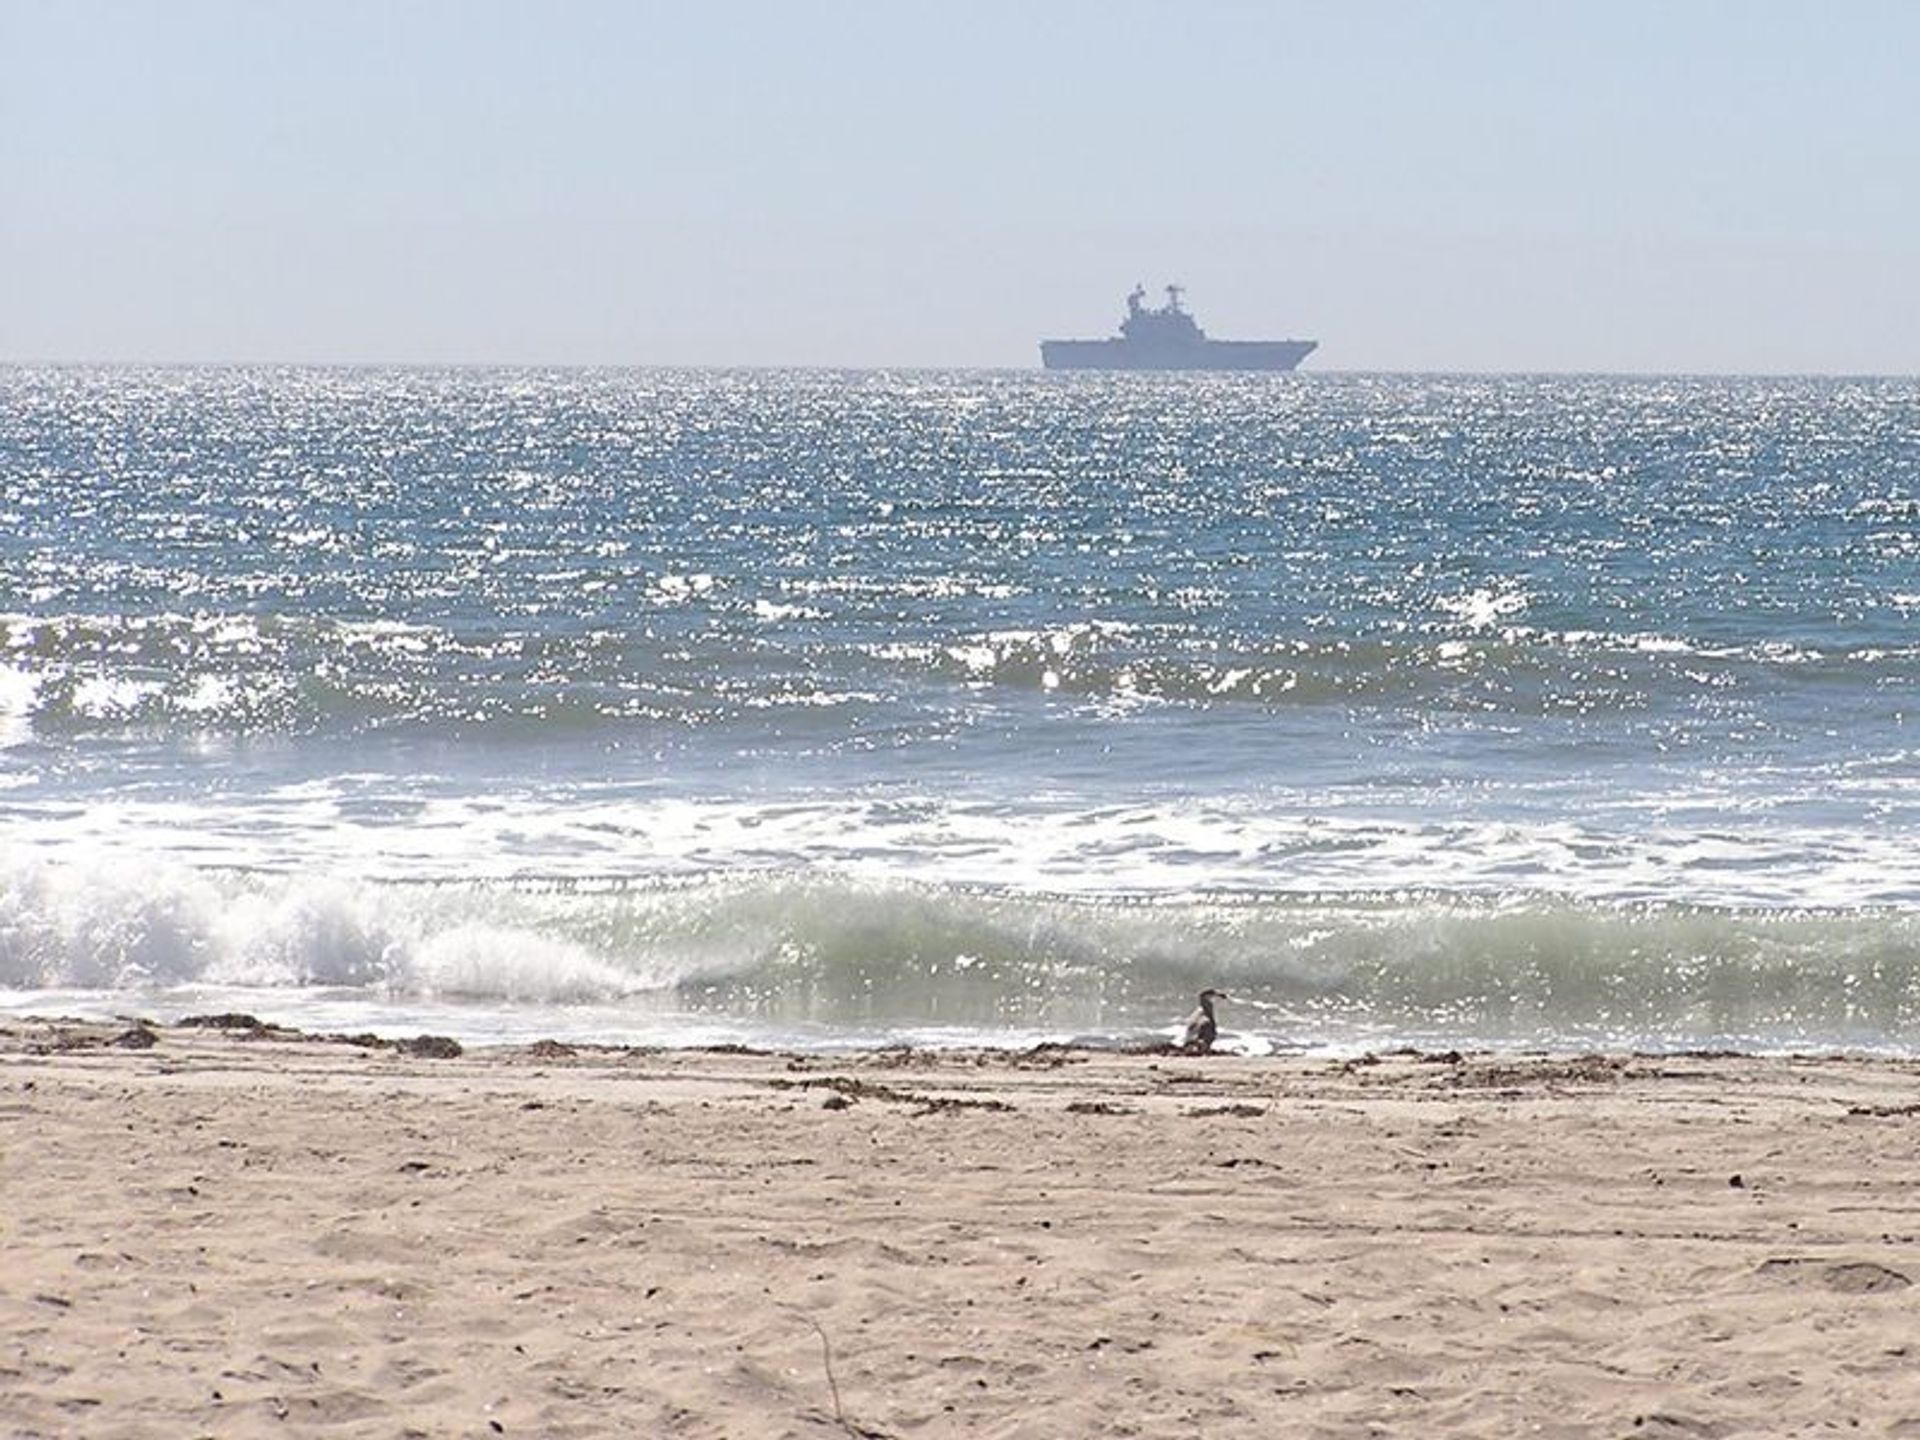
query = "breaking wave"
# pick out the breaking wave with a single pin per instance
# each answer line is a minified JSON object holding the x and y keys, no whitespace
{"x":811,"y":951}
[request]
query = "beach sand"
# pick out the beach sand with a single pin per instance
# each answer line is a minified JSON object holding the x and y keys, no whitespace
{"x":237,"y":1232}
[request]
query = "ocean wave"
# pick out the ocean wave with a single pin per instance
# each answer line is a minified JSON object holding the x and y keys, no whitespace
{"x":188,"y":673}
{"x":843,"y":953}
{"x":1478,"y":669}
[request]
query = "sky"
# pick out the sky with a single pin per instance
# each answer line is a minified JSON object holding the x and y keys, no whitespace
{"x":1460,"y":185}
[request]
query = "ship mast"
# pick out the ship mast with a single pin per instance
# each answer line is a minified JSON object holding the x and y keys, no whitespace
{"x":1174,"y":292}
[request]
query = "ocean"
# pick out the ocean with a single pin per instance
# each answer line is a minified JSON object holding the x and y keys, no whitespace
{"x":814,"y":709}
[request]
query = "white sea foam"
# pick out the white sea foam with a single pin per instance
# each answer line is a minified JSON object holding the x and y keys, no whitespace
{"x":209,"y":695}
{"x":112,"y":696}
{"x":1481,"y":609}
{"x":1691,"y":847}
{"x":519,"y":965}
{"x":19,"y":690}
{"x":770,"y":610}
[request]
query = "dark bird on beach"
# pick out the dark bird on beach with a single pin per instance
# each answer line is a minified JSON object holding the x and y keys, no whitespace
{"x":1202,"y":1028}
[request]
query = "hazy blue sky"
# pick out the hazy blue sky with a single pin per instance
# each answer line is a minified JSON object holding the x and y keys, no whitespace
{"x":1616,"y":185}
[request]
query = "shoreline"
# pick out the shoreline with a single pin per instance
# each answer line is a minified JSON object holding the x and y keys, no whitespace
{"x":98,"y":1022}
{"x":208,"y":1233}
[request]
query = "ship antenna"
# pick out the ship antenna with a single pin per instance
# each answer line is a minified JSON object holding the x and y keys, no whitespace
{"x":1174,"y":292}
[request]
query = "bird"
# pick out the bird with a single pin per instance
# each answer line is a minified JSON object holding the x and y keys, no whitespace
{"x":1202,"y":1027}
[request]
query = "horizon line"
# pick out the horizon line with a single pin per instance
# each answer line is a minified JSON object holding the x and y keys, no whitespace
{"x":922,"y":368}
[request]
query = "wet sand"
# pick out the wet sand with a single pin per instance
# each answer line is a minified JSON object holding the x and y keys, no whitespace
{"x":239,"y":1232}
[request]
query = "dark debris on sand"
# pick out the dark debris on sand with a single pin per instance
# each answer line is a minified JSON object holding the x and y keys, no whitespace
{"x":431,"y":1047}
{"x":62,"y":1039}
{"x":240,"y":1026}
{"x":851,"y":1088}
{"x":1470,"y":1072}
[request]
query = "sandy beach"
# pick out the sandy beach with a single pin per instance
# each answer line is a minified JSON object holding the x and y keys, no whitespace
{"x":239,"y":1231}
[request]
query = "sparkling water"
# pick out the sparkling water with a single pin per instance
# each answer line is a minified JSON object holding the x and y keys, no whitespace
{"x":823,"y":708}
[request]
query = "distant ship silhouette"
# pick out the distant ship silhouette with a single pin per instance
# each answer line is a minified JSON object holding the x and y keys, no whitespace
{"x":1169,"y":339}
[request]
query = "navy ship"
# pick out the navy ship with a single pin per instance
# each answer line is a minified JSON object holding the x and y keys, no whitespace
{"x":1169,"y":339}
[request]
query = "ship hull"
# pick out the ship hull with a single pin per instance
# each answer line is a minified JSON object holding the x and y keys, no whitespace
{"x":1207,"y":355}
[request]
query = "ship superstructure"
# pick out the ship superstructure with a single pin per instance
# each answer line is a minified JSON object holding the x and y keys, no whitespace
{"x":1168,"y":338}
